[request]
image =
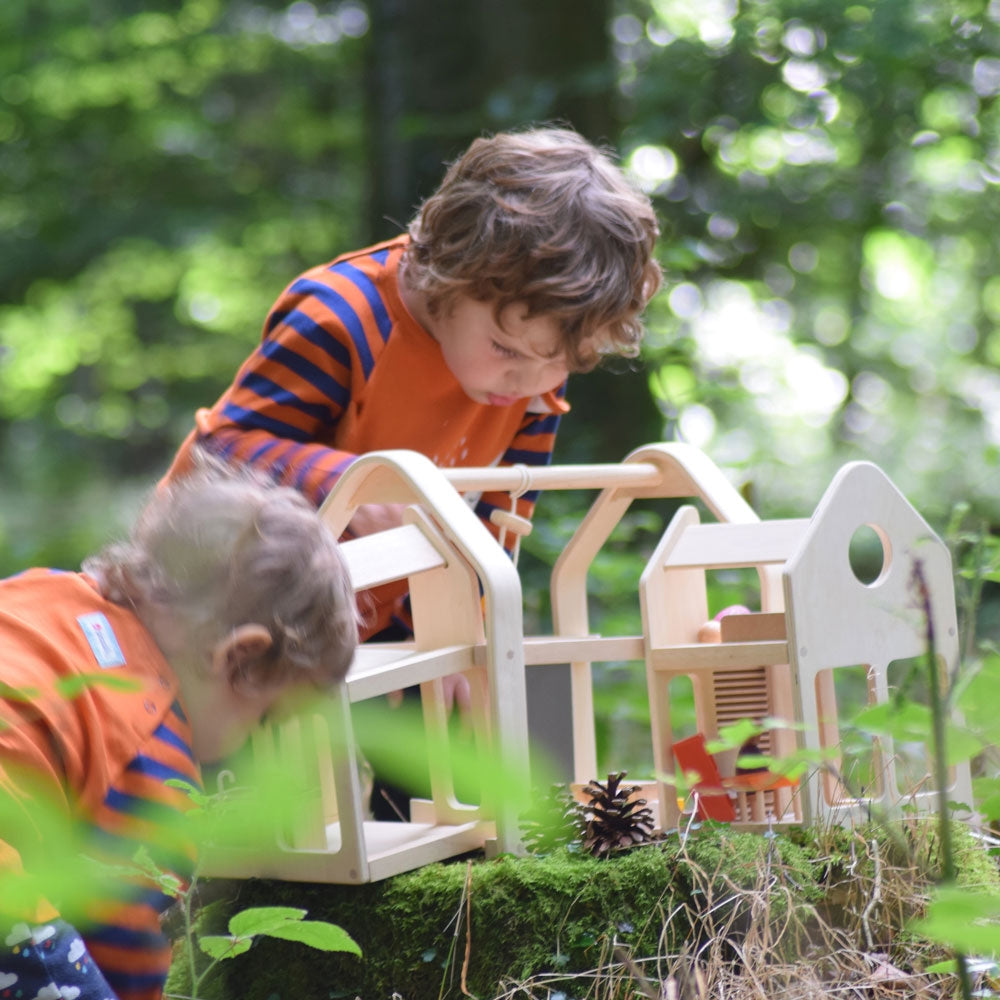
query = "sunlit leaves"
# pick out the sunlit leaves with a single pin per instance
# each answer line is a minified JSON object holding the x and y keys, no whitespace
{"x":860,"y":134}
{"x":159,"y":189}
{"x":283,"y":922}
{"x":708,"y":21}
{"x":899,"y":266}
{"x":652,"y":166}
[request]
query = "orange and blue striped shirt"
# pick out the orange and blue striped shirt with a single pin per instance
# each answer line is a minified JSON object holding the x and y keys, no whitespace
{"x":343,"y":368}
{"x":79,"y":755}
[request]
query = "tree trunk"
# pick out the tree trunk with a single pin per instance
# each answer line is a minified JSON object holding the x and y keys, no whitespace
{"x":442,"y":72}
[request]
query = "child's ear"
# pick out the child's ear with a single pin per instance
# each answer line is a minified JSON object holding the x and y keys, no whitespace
{"x":244,"y":644}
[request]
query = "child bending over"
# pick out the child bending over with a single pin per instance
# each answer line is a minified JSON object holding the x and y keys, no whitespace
{"x":229,"y":595}
{"x":533,"y":259}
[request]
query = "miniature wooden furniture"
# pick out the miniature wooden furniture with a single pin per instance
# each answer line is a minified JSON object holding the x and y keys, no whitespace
{"x":816,"y":617}
{"x":730,"y":680}
{"x":445,"y":561}
{"x":675,"y":471}
{"x":711,"y":800}
{"x":873,"y":624}
{"x":829,"y":620}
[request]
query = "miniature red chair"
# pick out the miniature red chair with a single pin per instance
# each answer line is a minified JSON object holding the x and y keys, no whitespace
{"x":712,"y":799}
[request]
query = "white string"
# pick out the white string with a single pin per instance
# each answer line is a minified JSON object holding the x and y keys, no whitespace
{"x":515,"y":494}
{"x":524,"y":486}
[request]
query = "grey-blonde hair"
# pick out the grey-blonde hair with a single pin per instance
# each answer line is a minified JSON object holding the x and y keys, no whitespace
{"x":543,"y":218}
{"x":221,"y":548}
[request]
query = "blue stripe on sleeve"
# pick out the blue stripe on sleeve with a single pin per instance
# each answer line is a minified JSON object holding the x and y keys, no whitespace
{"x":367,"y":287}
{"x":306,"y":467}
{"x":116,"y":846}
{"x":125,"y":937}
{"x":166,"y":735}
{"x":250,"y":420}
{"x":307,"y":371}
{"x":343,"y":310}
{"x":262,"y":450}
{"x":304,"y":325}
{"x":519,"y":456}
{"x":135,"y":805}
{"x":268,"y":389}
{"x":274,"y":319}
{"x":157,"y":769}
{"x":132,"y":982}
{"x":543,"y":425}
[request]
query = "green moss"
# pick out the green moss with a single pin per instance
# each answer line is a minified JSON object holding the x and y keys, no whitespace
{"x":976,"y":869}
{"x":557,"y":913}
{"x":566,"y":912}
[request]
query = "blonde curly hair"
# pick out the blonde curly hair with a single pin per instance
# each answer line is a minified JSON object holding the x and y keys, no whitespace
{"x":221,"y":548}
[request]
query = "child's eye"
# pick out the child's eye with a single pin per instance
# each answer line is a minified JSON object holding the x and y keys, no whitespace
{"x":503,"y":351}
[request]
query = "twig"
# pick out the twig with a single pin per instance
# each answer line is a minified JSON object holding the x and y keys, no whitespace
{"x":940,"y":755}
{"x":468,"y":930}
{"x":876,"y":895}
{"x":392,"y":805}
{"x":643,"y":984}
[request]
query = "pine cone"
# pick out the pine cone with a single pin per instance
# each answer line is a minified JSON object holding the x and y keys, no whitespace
{"x":555,"y":819}
{"x":615,"y":820}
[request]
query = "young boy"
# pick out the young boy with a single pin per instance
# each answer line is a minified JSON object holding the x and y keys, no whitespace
{"x":533,"y":259}
{"x":229,"y":595}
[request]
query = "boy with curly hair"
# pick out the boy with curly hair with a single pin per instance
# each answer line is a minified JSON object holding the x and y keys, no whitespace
{"x":229,"y":596}
{"x":533,"y":259}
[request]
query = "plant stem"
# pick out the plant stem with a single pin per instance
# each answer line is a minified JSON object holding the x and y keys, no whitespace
{"x":940,"y":756}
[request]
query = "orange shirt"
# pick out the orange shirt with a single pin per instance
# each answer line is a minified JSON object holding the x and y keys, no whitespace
{"x":344,"y":369}
{"x":95,"y":758}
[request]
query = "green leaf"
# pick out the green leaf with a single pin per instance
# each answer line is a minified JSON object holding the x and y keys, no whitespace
{"x":317,"y":934}
{"x":962,"y":745}
{"x":11,"y":693}
{"x":732,"y":737}
{"x":168,"y":883}
{"x":962,"y":919}
{"x":948,"y":967}
{"x":989,"y":806}
{"x":263,"y":919}
{"x":76,"y":684}
{"x":907,"y":721}
{"x":199,"y":798}
{"x":220,"y":946}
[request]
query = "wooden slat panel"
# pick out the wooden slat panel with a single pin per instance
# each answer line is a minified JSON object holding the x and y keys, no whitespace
{"x":542,"y":649}
{"x":414,"y":668}
{"x":389,"y":555}
{"x":692,"y":657}
{"x":724,"y":545}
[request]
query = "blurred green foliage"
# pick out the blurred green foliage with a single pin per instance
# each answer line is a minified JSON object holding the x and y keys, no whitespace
{"x":826,"y":175}
{"x":165,"y":173}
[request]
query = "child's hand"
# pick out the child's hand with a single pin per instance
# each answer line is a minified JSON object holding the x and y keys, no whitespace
{"x":373,"y":517}
{"x":457,"y":695}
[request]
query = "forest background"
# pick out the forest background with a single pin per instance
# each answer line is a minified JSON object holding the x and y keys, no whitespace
{"x":826,"y":174}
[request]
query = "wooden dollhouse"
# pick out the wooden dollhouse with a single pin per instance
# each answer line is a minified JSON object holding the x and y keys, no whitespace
{"x":815,"y":617}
